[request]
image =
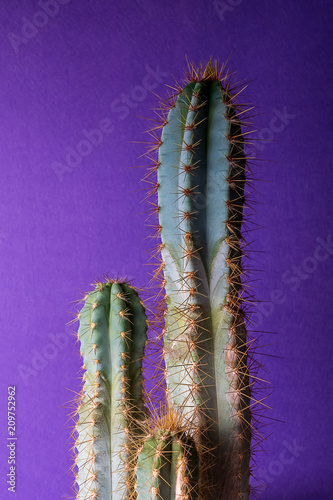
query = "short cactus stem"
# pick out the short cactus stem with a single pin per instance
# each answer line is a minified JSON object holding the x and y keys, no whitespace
{"x":112,"y":333}
{"x":168,"y":467}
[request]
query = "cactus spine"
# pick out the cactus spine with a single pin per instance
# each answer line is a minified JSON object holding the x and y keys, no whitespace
{"x":112,"y":333}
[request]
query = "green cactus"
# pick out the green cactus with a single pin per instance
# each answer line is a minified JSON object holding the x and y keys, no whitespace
{"x":167,"y":467}
{"x":199,"y":447}
{"x":200,"y":186}
{"x":112,"y":333}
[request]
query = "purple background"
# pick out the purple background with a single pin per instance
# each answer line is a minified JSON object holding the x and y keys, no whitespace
{"x":61,"y":231}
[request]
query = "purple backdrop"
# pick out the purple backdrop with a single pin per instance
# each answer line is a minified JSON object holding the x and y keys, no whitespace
{"x":75,"y":79}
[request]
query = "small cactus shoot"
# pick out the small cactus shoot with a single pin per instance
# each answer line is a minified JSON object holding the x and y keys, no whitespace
{"x":167,"y":467}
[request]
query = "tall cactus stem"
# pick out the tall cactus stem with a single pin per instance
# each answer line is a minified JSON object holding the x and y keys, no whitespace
{"x":200,"y":187}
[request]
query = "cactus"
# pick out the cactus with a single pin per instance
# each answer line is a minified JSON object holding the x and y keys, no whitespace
{"x":167,"y":467}
{"x":200,"y":185}
{"x":112,"y":333}
{"x":204,"y":450}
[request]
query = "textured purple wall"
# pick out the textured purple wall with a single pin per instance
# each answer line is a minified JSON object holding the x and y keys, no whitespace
{"x":70,"y":212}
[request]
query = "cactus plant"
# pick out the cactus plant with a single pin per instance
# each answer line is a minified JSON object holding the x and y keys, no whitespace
{"x":167,"y":467}
{"x":113,"y":335}
{"x":204,"y":451}
{"x":200,"y":185}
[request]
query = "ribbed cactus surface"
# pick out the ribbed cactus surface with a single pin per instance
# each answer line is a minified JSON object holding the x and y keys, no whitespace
{"x":112,"y":333}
